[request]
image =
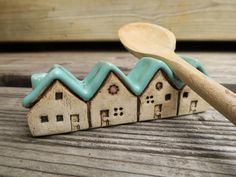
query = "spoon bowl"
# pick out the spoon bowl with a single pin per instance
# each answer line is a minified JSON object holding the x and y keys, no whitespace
{"x":144,"y":32}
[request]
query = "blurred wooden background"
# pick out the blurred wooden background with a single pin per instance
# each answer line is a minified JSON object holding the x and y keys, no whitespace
{"x":89,"y":20}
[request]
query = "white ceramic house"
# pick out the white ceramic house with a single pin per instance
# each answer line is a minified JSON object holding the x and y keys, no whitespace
{"x":159,"y":99}
{"x":113,"y":104}
{"x":60,"y":103}
{"x":190,"y":102}
{"x":57,"y":111}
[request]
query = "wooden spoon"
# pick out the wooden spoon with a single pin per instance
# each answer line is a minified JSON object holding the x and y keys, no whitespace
{"x":144,"y":39}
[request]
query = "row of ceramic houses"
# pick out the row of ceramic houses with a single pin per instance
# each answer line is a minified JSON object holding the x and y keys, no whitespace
{"x":61,"y":103}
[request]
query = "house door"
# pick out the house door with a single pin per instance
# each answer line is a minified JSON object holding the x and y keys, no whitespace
{"x":157,"y":111}
{"x":193,"y":106}
{"x":74,"y":119}
{"x":104,"y":117}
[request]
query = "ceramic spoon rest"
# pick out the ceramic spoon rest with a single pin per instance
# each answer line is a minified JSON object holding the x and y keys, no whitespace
{"x":60,"y":103}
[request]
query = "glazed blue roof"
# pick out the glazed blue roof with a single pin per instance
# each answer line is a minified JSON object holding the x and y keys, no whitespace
{"x":137,"y":79}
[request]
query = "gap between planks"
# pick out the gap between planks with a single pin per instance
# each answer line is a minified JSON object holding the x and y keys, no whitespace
{"x":16,"y":68}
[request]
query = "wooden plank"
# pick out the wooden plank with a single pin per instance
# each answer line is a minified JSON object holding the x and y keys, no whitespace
{"x":16,"y":68}
{"x":194,"y":145}
{"x":88,"y":20}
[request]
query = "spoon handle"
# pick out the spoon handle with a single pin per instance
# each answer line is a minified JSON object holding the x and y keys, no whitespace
{"x":215,"y":94}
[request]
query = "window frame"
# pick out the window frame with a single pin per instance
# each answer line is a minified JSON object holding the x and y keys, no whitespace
{"x":59,"y":118}
{"x":44,"y":119}
{"x":58,"y":95}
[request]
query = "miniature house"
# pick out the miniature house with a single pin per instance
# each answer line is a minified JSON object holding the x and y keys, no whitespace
{"x":159,"y":99}
{"x":113,"y":104}
{"x":190,"y":102}
{"x":61,"y":103}
{"x":57,"y":111}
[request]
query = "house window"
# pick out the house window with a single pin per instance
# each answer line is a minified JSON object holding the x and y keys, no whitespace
{"x":113,"y":89}
{"x":185,"y":94}
{"x":149,"y":99}
{"x":44,"y":119}
{"x":168,"y":97}
{"x":59,"y":118}
{"x":118,"y":111}
{"x":58,"y":95}
{"x":159,"y":85}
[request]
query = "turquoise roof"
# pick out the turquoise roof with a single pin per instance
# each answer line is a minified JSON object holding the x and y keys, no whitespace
{"x":136,"y":80}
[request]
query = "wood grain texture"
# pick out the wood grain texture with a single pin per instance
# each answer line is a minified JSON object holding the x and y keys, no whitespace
{"x":16,"y":68}
{"x":195,"y":145}
{"x":88,"y":20}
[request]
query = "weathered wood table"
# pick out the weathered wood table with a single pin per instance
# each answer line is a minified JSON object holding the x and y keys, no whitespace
{"x":195,"y":145}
